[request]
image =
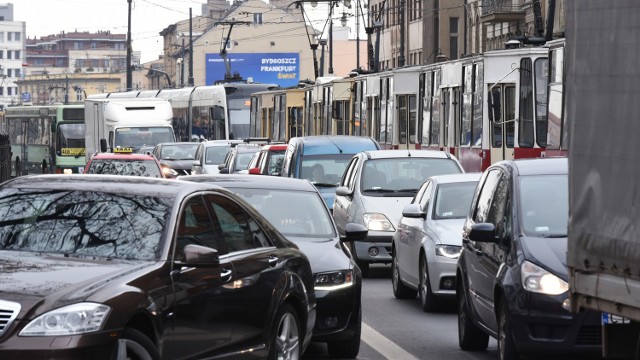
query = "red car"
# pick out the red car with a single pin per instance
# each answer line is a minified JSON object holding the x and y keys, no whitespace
{"x":270,"y":160}
{"x":124,"y":162}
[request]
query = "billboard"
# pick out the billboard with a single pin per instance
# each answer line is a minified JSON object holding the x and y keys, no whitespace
{"x":272,"y":68}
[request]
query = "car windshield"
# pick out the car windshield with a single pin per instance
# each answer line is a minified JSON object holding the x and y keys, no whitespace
{"x":453,"y":200}
{"x":137,"y":137}
{"x":544,"y":205}
{"x":293,"y":213}
{"x":70,"y":139}
{"x":215,"y":155}
{"x":403,"y":175}
{"x":276,"y":159}
{"x":324,"y":170}
{"x":83,"y":223}
{"x":178,"y":151}
{"x":147,"y":168}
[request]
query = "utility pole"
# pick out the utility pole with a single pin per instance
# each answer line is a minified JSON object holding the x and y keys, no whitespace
{"x":66,"y":89}
{"x":190,"y":49}
{"x":129,"y":74}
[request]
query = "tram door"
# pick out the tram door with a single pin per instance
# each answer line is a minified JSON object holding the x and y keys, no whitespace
{"x":502,"y":117}
{"x":450,"y":118}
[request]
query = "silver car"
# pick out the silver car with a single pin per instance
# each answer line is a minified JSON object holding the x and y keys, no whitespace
{"x":375,"y":188}
{"x":210,"y":154}
{"x":427,"y":243}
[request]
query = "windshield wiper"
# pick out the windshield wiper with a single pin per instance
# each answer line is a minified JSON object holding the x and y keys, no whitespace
{"x":324,"y":184}
{"x":380,"y":190}
{"x":408,"y":190}
{"x":553,"y":236}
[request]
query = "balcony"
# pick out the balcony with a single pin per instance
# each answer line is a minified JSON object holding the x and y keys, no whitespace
{"x":497,"y":11}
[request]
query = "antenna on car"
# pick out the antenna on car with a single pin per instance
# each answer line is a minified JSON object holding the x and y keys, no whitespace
{"x":336,"y":145}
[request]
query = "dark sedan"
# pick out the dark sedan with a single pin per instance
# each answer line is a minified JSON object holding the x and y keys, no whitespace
{"x":176,"y":158}
{"x":296,"y":208}
{"x":512,"y":279}
{"x":105,"y":267}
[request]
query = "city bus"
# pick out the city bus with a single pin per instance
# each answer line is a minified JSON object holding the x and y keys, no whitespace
{"x":46,"y":139}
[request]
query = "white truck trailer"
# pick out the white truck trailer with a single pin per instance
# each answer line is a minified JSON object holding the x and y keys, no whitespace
{"x":126,"y":123}
{"x":602,"y":62}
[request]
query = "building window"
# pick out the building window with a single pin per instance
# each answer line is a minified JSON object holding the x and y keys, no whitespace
{"x":17,"y":54}
{"x":1,"y":36}
{"x":9,"y":72}
{"x":78,"y":46}
{"x":60,"y":62}
{"x":38,"y":62}
{"x":17,"y":36}
{"x":1,"y":54}
{"x":79,"y":63}
{"x":9,"y":36}
{"x":8,"y":54}
{"x":453,"y":38}
{"x":257,"y":18}
{"x":93,"y":45}
{"x":16,"y":72}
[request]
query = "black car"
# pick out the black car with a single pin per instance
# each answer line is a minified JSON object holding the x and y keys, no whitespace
{"x":105,"y":267}
{"x":176,"y":158}
{"x":512,"y":280}
{"x":296,"y":208}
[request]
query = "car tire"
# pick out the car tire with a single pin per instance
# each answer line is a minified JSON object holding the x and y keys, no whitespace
{"x":133,"y":344}
{"x":348,"y":349}
{"x":470,"y":337}
{"x":506,"y":346}
{"x":400,"y":290}
{"x":286,"y":342}
{"x":428,"y":301}
{"x":364,"y":268}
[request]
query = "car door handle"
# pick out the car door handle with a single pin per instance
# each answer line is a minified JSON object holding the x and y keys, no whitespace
{"x":225,"y":274}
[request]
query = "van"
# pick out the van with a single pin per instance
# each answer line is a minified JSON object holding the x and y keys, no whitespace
{"x":322,"y":159}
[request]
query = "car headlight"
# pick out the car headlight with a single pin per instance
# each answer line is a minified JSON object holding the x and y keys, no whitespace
{"x":377,"y":222}
{"x":537,"y":279}
{"x":169,"y":171}
{"x":333,"y":280}
{"x":448,"y":251}
{"x":68,"y":320}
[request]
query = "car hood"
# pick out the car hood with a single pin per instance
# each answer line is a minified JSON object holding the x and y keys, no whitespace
{"x":178,"y":164}
{"x":550,"y":253}
{"x":324,"y":254}
{"x":448,"y":231}
{"x":29,"y":278}
{"x":391,"y":207}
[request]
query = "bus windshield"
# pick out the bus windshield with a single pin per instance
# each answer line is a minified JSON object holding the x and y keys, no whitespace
{"x":142,"y":136}
{"x":70,"y":139}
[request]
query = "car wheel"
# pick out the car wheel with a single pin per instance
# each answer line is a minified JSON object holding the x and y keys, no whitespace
{"x":506,"y":347}
{"x":428,"y":301}
{"x":133,"y":344}
{"x":400,"y":290}
{"x":364,"y":268}
{"x":469,"y":336}
{"x":285,"y":344}
{"x":348,"y":349}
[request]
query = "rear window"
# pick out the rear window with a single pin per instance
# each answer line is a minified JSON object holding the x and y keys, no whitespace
{"x":148,"y":168}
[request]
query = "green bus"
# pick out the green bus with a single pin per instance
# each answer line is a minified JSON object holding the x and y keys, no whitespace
{"x":46,"y":139}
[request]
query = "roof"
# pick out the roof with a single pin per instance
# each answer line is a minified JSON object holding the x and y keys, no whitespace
{"x":455,"y":178}
{"x":541,"y":166}
{"x":335,"y":144}
{"x":123,"y":156}
{"x":108,"y":183}
{"x":277,"y":147}
{"x":253,"y":181}
{"x":386,"y":154}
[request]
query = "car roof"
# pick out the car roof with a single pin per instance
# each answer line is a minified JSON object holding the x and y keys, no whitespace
{"x":247,"y":148}
{"x":456,"y":178}
{"x":109,"y":183}
{"x":123,"y":156}
{"x":387,"y":154}
{"x":275,"y":147}
{"x":539,"y":166}
{"x":335,"y":144}
{"x":254,"y":181}
{"x":226,"y":143}
{"x":178,"y":143}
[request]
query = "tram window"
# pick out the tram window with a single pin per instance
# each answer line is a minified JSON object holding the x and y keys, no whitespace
{"x":525,"y":131}
{"x":510,"y":114}
{"x":494,"y":115}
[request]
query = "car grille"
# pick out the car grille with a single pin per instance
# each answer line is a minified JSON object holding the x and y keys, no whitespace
{"x":8,"y":312}
{"x":589,"y":335}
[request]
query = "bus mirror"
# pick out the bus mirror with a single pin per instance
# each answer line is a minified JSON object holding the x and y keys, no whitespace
{"x":103,"y":145}
{"x":494,"y":105}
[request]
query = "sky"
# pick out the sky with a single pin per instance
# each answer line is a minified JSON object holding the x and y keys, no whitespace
{"x":148,"y":18}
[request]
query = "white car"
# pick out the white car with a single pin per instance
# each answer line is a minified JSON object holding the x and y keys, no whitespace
{"x":428,"y":240}
{"x":210,"y":154}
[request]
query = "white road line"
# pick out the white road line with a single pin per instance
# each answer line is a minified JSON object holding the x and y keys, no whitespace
{"x":384,"y":346}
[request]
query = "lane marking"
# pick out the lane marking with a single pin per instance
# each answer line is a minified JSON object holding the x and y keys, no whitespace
{"x":384,"y":346}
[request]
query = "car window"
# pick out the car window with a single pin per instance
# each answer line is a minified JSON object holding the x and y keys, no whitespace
{"x":275,"y":160}
{"x":147,"y":168}
{"x":215,"y":155}
{"x":426,"y":198}
{"x":238,"y":230}
{"x":195,"y":226}
{"x":348,"y":174}
{"x":483,"y":204}
{"x":544,"y":204}
{"x":452,"y":201}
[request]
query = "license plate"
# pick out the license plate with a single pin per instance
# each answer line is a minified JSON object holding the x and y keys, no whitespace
{"x":613,"y":319}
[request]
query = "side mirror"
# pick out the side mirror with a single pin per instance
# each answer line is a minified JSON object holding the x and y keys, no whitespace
{"x":483,"y":232}
{"x":354,"y":232}
{"x":413,"y":211}
{"x":103,"y":145}
{"x":220,"y":166}
{"x":343,"y":191}
{"x":201,"y":256}
{"x":254,"y":171}
{"x":196,"y":163}
{"x":224,"y":170}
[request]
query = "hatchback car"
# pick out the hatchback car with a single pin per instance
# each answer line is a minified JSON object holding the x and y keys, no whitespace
{"x":106,"y":267}
{"x":238,"y":159}
{"x":322,"y":159}
{"x":296,"y":209}
{"x":210,"y":154}
{"x":176,"y":158}
{"x":375,"y":188}
{"x":512,"y":274}
{"x":427,"y":242}
{"x":124,"y":162}
{"x":269,"y":161}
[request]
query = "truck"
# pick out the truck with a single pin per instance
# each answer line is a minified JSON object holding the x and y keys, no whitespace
{"x":602,"y":97}
{"x":126,"y":123}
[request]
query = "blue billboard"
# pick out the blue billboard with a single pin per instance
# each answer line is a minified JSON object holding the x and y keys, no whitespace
{"x":271,"y":68}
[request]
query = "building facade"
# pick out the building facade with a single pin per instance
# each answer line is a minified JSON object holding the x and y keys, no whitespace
{"x":12,"y":55}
